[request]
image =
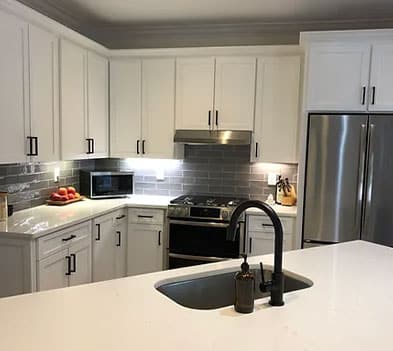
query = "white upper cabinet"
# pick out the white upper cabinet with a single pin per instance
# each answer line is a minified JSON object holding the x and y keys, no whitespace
{"x":215,"y":93}
{"x":44,"y":94}
{"x":13,"y":90}
{"x":277,"y":109}
{"x":338,"y":77}
{"x":98,"y":104}
{"x":158,"y":106}
{"x":234,"y":93}
{"x":73,"y":101}
{"x":125,"y":107}
{"x":194,"y":93}
{"x":142,"y":96}
{"x":381,"y":78}
{"x":84,"y":103}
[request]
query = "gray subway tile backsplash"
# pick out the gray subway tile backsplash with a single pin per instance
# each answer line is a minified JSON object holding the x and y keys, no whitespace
{"x":218,"y":169}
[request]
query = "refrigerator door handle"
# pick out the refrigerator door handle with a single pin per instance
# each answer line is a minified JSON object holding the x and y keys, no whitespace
{"x":362,"y":165}
{"x":370,"y":176}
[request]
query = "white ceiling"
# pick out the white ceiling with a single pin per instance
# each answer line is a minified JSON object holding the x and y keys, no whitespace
{"x":149,"y":12}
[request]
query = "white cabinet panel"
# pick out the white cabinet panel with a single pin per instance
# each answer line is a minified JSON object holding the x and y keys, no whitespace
{"x":381,"y":79}
{"x":52,"y":271}
{"x":13,"y":89}
{"x":194,"y":93}
{"x":81,"y":263}
{"x":73,"y":101}
{"x":277,"y":109}
{"x":145,"y":249}
{"x":158,"y":107}
{"x":97,"y":104}
{"x":338,"y":77}
{"x":234,"y":93}
{"x":125,"y":107}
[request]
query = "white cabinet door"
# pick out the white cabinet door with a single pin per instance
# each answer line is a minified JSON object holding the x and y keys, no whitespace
{"x":73,"y":101}
{"x":104,"y":253}
{"x":234,"y":100}
{"x":194,"y":93}
{"x":338,"y":77}
{"x":13,"y":89}
{"x":121,"y":249}
{"x":145,"y":249}
{"x":125,"y":108}
{"x":158,"y":107}
{"x":52,"y":271}
{"x":381,"y":79}
{"x":44,"y":93}
{"x":97,"y":103}
{"x":80,"y":254}
{"x":277,"y":109}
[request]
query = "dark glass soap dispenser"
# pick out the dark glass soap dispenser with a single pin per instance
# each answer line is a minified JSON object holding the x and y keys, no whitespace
{"x":244,"y":285}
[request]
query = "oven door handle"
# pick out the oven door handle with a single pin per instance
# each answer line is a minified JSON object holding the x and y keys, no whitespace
{"x":198,"y":258}
{"x":201,"y":224}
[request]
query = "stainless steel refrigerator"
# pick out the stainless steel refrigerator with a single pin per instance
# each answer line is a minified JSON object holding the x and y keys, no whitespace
{"x":349,"y":179}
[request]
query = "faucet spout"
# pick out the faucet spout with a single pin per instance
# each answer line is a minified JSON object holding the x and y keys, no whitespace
{"x":277,"y":283}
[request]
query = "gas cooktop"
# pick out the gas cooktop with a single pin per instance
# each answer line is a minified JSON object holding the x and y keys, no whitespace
{"x":206,"y":200}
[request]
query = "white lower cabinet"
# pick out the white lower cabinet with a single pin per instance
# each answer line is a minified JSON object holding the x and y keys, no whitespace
{"x":64,"y":258}
{"x":109,"y":246}
{"x":260,"y":233}
{"x":145,"y":251}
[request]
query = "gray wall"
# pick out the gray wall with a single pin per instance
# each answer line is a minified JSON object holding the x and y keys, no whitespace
{"x":223,"y":170}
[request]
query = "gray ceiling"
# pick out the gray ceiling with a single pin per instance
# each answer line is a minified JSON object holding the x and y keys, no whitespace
{"x":158,"y":23}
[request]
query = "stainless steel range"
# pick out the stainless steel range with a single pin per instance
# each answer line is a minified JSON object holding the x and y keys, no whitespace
{"x":198,"y":230}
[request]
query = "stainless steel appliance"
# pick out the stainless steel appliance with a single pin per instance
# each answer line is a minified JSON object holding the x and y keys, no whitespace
{"x":198,"y":230}
{"x":103,"y":184}
{"x":349,"y":179}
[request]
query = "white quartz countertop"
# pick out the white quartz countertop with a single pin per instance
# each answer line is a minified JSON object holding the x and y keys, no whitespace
{"x":41,"y":220}
{"x":287,"y":211}
{"x":44,"y":219}
{"x":349,"y":307}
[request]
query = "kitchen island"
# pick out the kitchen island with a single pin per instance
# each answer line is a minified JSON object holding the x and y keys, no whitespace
{"x":349,"y":307}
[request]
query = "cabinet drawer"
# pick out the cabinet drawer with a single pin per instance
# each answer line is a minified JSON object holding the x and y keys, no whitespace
{"x":263,"y":244}
{"x":264,"y":224}
{"x":49,"y":244}
{"x":145,"y":216}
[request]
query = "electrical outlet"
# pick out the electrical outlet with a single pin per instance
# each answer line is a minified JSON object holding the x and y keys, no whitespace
{"x":272,"y":179}
{"x":56,"y":174}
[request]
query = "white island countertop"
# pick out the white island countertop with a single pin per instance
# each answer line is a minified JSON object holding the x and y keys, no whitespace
{"x":349,"y":308}
{"x":42,"y":220}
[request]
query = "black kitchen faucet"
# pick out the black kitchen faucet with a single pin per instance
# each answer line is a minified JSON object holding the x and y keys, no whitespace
{"x":276,"y":285}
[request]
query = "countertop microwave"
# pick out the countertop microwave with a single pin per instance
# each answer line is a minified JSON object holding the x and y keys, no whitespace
{"x":106,"y":184}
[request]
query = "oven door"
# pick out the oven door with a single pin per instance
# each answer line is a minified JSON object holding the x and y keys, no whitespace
{"x":194,"y":242}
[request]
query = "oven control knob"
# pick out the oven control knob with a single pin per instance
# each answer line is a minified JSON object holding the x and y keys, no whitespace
{"x":224,"y":214}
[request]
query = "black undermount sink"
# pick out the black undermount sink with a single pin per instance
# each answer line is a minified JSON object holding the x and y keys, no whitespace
{"x":218,"y":290}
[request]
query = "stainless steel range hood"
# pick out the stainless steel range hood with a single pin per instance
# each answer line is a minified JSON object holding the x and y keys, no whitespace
{"x":218,"y":137}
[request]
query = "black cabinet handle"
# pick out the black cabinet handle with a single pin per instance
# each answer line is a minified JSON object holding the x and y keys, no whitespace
{"x":209,"y":118}
{"x":90,"y":146}
{"x":33,"y":146}
{"x":363,"y":95}
{"x":159,"y":238}
{"x":73,"y":269}
{"x":217,"y":118}
{"x":143,"y":146}
{"x":120,"y":217}
{"x":98,"y":238}
{"x":118,"y":238}
{"x":144,"y":216}
{"x":93,"y":146}
{"x":30,"y":152}
{"x":68,"y":258}
{"x":250,"y":248}
{"x":373,"y":96}
{"x":137,"y":146}
{"x":69,"y":238}
{"x":256,"y":149}
{"x":267,"y":225}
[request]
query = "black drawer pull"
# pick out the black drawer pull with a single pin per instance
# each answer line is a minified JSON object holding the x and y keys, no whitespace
{"x":217,"y":118}
{"x":68,"y":258}
{"x":120,"y":217}
{"x":118,"y":238}
{"x":373,"y":96}
{"x":256,"y":150}
{"x":144,"y":216}
{"x":69,"y":238}
{"x":73,"y":270}
{"x":250,"y":245}
{"x":98,"y":238}
{"x":267,"y":225}
{"x":159,"y":238}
